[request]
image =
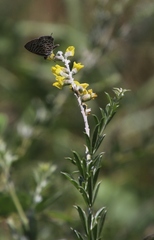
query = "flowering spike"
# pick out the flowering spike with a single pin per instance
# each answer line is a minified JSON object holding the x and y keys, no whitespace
{"x":64,"y":76}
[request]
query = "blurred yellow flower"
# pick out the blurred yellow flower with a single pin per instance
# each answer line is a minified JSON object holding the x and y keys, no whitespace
{"x":57,"y":69}
{"x":57,"y":85}
{"x":88,"y":95}
{"x":70,"y":51}
{"x":51,"y":57}
{"x":77,"y":67}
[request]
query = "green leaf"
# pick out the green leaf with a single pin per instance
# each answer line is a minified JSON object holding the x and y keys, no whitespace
{"x":74,"y":182}
{"x":108,"y":109}
{"x":90,"y":189}
{"x":97,"y":161}
{"x":108,"y":97}
{"x":110,"y":117}
{"x":71,"y":160}
{"x":95,"y":176}
{"x":95,"y":192}
{"x":78,"y":162}
{"x":102,"y":123}
{"x":95,"y":232}
{"x":84,"y":162}
{"x":90,"y":168}
{"x":85,"y":195}
{"x":98,"y":142}
{"x":78,"y":235}
{"x":83,"y":218}
{"x":90,"y":223}
{"x":95,"y":137}
{"x":99,"y":212}
{"x":100,"y":217}
{"x":96,"y":119}
{"x":102,"y":113}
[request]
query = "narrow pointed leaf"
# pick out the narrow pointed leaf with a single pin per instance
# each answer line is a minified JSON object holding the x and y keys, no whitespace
{"x":95,"y":177}
{"x":95,"y":192}
{"x":85,"y":167}
{"x":101,"y":214}
{"x":78,"y":235}
{"x":108,"y":109}
{"x":85,"y":195}
{"x":97,"y":161}
{"x":83,"y":218}
{"x":102,"y":113}
{"x":74,"y":182}
{"x":98,"y":143}
{"x":108,"y":97}
{"x":78,"y":162}
{"x":95,"y":232}
{"x":96,"y":119}
{"x":70,"y":159}
{"x":90,"y":189}
{"x":95,"y":137}
{"x":102,"y":123}
{"x":90,"y":219}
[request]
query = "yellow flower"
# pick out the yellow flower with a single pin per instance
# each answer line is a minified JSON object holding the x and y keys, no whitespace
{"x":57,"y":85}
{"x":88,"y":95}
{"x":51,"y":57}
{"x":93,"y":95}
{"x":84,"y":85}
{"x":57,"y":69}
{"x":61,"y":81}
{"x":80,"y":87}
{"x":70,"y":51}
{"x":77,"y":67}
{"x":60,"y":78}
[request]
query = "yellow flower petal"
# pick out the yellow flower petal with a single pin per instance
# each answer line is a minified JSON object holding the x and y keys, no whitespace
{"x":60,"y":78}
{"x":92,"y":94}
{"x":58,"y":70}
{"x":57,"y":85}
{"x":84,"y":85}
{"x":77,"y":66}
{"x":88,"y":95}
{"x":70,"y":51}
{"x":51,"y":57}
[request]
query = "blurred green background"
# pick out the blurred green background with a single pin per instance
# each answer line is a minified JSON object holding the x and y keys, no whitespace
{"x":39,"y":123}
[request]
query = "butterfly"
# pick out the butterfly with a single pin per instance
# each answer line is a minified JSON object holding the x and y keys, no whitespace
{"x":42,"y":46}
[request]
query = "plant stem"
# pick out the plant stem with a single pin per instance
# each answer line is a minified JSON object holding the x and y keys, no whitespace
{"x":17,"y":204}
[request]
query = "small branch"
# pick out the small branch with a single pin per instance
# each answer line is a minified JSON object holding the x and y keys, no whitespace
{"x":17,"y":205}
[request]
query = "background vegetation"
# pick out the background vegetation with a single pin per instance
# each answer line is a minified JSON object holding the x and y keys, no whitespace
{"x":115,"y":42}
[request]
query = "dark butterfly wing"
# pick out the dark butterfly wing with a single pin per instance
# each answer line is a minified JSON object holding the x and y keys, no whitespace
{"x":45,"y":45}
{"x":42,"y":46}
